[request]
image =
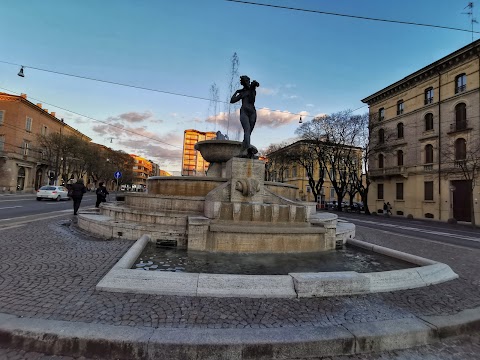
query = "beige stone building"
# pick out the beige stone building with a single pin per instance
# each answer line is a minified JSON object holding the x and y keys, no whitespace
{"x":424,"y":127}
{"x":23,"y":166}
{"x":294,"y":174}
{"x":193,"y":163}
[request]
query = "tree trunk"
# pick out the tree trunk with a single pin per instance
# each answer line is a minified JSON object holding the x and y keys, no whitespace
{"x":472,"y":209}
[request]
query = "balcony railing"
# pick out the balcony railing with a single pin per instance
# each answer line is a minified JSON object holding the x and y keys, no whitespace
{"x":428,"y":100}
{"x":428,"y":167}
{"x":460,"y":89}
{"x":460,"y":163}
{"x":390,"y":171}
{"x":459,"y":125}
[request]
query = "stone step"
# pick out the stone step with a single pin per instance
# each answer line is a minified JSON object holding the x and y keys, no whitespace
{"x":110,"y":228}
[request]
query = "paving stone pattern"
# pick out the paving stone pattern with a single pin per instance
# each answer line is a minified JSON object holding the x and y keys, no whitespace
{"x":49,"y":271}
{"x":459,"y":348}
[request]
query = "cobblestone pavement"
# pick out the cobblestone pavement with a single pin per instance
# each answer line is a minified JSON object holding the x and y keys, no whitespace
{"x":49,"y":271}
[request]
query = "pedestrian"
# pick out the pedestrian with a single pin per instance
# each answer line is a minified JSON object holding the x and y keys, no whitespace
{"x":78,"y":189}
{"x":389,"y":208}
{"x":385,"y":208}
{"x":101,"y":194}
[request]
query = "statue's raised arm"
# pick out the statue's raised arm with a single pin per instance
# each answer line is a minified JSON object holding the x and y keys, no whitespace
{"x":248,"y":113}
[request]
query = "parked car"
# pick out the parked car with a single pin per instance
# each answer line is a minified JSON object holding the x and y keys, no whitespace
{"x":52,"y":192}
{"x":358,"y":206}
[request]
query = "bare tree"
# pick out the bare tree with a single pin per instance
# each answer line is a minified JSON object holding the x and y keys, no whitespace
{"x":278,"y":162}
{"x":334,"y":136}
{"x":462,"y":161}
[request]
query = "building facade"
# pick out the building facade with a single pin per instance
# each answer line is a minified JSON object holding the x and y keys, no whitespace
{"x":292,"y":173}
{"x":141,"y":170}
{"x":193,"y":163}
{"x":424,"y":129}
{"x":23,"y":163}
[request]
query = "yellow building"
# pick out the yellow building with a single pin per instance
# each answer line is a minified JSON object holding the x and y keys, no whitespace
{"x":292,"y":173}
{"x":193,"y":163}
{"x":424,"y":129}
{"x":141,"y":171}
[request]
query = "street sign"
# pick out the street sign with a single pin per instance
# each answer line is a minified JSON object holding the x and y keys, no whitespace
{"x":117,"y":175}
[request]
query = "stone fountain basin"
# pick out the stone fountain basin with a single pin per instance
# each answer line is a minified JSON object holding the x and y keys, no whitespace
{"x":218,"y":151}
{"x":121,"y":278}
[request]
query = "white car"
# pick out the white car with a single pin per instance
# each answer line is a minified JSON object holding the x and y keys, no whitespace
{"x":52,"y":192}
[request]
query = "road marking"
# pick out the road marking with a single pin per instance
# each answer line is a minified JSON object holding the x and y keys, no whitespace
{"x":26,"y":216}
{"x":417,"y":238}
{"x":476,"y":239}
{"x":12,"y":226}
{"x":10,"y":207}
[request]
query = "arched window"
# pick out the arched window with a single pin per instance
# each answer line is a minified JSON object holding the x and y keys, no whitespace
{"x":400,"y":107}
{"x":428,"y":154}
{"x":460,"y":149}
{"x":400,"y":158}
{"x":400,"y":130}
{"x":460,"y":116}
{"x":429,"y":122}
{"x":429,"y":95}
{"x":460,"y":83}
{"x":381,"y":136}
{"x":381,"y":114}
{"x":380,"y":161}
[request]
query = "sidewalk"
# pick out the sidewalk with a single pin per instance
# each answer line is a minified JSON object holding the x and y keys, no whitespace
{"x":48,"y":303}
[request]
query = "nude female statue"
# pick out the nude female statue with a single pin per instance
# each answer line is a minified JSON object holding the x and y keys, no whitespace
{"x":248,"y":113}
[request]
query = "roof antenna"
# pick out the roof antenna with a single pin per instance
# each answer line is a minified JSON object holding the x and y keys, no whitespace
{"x":470,"y":14}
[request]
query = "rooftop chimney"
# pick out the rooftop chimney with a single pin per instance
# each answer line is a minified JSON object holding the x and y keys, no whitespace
{"x":23,"y":95}
{"x":39,"y":105}
{"x":53,"y":113}
{"x":46,"y":110}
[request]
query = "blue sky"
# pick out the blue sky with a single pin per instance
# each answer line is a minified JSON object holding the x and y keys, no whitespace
{"x":305,"y":63}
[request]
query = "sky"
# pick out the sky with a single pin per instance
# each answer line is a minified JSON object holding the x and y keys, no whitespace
{"x":307,"y":63}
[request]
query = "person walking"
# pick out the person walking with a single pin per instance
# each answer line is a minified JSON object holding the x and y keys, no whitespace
{"x":389,"y":208}
{"x":101,"y":194}
{"x":385,"y":209}
{"x":78,"y":189}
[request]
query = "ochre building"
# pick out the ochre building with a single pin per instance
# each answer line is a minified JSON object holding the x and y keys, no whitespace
{"x":193,"y":163}
{"x":23,"y":163}
{"x":425,"y":132}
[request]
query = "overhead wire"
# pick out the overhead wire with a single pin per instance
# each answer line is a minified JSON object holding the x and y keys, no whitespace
{"x":352,"y":16}
{"x":143,"y":88}
{"x":100,"y":121}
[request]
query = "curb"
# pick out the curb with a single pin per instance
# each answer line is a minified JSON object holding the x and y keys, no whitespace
{"x":124,"y":342}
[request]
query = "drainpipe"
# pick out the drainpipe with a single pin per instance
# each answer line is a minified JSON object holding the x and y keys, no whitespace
{"x":439,"y":147}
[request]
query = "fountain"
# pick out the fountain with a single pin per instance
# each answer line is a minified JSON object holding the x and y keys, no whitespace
{"x":234,"y":210}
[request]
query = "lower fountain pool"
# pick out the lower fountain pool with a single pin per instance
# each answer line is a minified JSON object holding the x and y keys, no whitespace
{"x":349,"y":258}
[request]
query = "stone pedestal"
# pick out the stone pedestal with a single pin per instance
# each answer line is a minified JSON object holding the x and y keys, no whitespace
{"x":246,"y":179}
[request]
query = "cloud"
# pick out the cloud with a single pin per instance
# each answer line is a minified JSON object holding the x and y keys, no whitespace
{"x":265,"y":118}
{"x":132,"y":117}
{"x":267,"y":91}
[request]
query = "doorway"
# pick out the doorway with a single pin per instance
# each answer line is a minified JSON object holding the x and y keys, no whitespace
{"x":462,"y":204}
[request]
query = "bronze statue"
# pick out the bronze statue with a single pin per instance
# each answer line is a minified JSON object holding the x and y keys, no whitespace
{"x":248,"y":113}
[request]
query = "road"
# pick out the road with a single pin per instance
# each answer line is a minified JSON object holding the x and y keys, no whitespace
{"x":25,"y":207}
{"x":434,"y":231}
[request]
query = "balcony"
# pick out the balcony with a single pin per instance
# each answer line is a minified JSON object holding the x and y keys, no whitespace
{"x":428,"y":167}
{"x":390,"y":171}
{"x":460,"y":89}
{"x":460,"y":163}
{"x":428,"y":100}
{"x":459,"y":126}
